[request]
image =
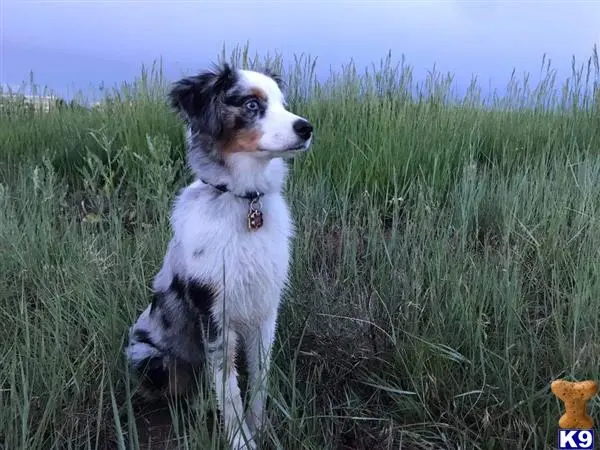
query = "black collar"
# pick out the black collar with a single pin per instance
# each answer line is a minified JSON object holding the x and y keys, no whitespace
{"x":250,"y":195}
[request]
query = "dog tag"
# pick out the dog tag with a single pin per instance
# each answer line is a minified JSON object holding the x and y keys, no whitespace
{"x":255,"y":219}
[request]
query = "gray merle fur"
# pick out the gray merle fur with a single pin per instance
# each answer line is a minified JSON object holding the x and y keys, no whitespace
{"x":186,"y":339}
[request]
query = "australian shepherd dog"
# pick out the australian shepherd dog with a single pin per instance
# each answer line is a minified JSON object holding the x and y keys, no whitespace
{"x":227,"y":263}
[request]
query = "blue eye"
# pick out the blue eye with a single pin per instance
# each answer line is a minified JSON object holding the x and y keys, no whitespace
{"x":252,"y":105}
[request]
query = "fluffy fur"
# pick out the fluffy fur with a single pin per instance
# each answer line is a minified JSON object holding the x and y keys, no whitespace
{"x":220,"y":282}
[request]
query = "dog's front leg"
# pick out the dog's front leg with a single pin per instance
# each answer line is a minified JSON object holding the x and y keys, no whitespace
{"x":258,"y":343}
{"x":221,"y":356}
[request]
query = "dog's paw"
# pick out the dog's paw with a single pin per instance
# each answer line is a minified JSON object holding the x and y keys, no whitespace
{"x":240,"y":442}
{"x":255,"y":422}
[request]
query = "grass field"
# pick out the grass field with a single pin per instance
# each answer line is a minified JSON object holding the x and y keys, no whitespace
{"x":446,"y":267}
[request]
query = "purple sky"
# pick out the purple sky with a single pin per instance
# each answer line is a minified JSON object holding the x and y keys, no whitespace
{"x":79,"y":44}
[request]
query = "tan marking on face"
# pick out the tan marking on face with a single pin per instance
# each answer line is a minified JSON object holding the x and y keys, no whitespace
{"x":243,"y":141}
{"x":259,"y":93}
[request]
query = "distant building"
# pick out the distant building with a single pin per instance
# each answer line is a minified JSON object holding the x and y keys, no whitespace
{"x":41,"y":103}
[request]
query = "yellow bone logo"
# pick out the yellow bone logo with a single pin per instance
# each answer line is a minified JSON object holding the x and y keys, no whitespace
{"x":575,"y":396}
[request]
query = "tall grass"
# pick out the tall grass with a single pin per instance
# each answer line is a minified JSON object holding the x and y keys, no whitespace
{"x":445,"y":269}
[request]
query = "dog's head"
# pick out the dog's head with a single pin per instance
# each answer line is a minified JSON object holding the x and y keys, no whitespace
{"x":241,"y":111}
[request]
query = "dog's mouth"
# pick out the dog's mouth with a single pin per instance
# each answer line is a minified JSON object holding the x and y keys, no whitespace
{"x":305,"y":145}
{"x":297,"y":148}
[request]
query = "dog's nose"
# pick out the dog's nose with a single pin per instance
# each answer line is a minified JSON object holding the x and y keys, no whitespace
{"x":303,"y":128}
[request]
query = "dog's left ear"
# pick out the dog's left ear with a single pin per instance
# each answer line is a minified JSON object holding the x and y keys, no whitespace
{"x":196,"y":98}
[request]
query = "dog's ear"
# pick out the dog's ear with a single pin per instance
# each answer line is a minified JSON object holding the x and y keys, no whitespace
{"x":197,"y":98}
{"x":276,"y":77}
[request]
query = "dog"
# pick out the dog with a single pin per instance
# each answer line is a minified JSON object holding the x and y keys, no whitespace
{"x":227,"y":264}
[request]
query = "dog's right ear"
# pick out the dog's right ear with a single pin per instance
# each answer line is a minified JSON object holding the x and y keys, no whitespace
{"x":196,"y":98}
{"x":276,"y":78}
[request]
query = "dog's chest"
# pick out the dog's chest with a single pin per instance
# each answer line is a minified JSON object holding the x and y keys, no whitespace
{"x":249,"y":266}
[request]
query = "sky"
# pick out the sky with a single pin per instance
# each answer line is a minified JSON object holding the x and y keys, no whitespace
{"x":71,"y":45}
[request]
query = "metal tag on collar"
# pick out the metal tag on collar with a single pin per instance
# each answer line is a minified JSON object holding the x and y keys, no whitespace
{"x":255,"y":215}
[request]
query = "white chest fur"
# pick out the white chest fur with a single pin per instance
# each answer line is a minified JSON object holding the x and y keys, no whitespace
{"x":250,"y":268}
